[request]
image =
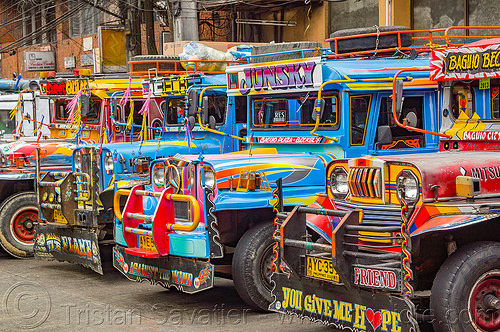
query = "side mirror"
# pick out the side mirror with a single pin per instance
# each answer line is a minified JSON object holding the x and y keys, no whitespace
{"x":204,"y":110}
{"x":384,"y":135}
{"x":399,"y":97}
{"x":411,"y":119}
{"x":191,"y":122}
{"x":85,"y":101}
{"x":211,"y":122}
{"x":193,"y":98}
{"x":322,"y":110}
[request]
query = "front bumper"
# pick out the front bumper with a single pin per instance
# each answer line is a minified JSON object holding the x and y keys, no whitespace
{"x":370,"y":284}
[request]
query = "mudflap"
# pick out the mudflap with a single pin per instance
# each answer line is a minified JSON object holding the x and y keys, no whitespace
{"x":188,"y":275}
{"x":68,"y":244}
{"x":343,"y":308}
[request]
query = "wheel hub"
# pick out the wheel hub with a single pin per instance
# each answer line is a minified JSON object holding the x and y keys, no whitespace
{"x":485,"y":303}
{"x":23,"y":225}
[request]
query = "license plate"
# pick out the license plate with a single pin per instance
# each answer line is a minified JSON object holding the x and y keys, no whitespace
{"x":146,"y":243}
{"x":59,"y":218}
{"x":321,"y":268}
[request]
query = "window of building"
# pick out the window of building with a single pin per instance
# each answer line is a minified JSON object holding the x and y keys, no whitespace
{"x":84,"y":21}
{"x":39,"y":22}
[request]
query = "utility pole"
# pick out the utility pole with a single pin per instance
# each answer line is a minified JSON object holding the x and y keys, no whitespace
{"x":185,"y":20}
{"x":129,"y":9}
{"x":150,"y":30}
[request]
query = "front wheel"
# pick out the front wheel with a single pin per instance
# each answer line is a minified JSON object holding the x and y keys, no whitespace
{"x":18,"y":215}
{"x":465,"y":294}
{"x":252,"y":266}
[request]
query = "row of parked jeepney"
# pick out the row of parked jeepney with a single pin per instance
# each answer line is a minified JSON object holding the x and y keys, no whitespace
{"x":357,"y":186}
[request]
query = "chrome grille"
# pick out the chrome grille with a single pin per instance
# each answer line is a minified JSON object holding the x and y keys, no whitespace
{"x":365,"y":182}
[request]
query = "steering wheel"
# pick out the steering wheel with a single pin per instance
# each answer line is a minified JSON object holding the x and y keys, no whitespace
{"x":358,"y":130}
{"x":173,"y":178}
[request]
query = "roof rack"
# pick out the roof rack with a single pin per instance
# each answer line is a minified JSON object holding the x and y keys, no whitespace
{"x":164,"y":65}
{"x":402,"y":41}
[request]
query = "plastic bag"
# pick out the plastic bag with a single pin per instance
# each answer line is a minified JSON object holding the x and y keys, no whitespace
{"x":197,"y":51}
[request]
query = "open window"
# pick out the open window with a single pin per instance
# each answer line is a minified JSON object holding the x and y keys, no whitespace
{"x":396,"y":137}
{"x":217,"y":105}
{"x":90,"y":115}
{"x":360,"y":109}
{"x":175,"y":111}
{"x":462,"y":97}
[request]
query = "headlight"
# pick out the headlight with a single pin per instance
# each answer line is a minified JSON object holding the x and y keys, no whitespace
{"x":159,"y":176}
{"x":77,"y":160}
{"x":209,"y":178}
{"x":408,"y":188}
{"x":338,"y":182}
{"x":108,"y":162}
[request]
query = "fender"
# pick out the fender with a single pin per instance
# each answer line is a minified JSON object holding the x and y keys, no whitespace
{"x":445,"y":223}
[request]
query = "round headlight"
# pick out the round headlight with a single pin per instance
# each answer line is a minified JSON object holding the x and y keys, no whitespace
{"x":338,"y":182}
{"x":407,"y":185}
{"x":159,"y":176}
{"x":108,"y":162}
{"x":77,"y":159}
{"x":209,"y":178}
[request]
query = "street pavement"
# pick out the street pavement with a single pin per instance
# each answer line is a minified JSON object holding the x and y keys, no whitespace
{"x":52,"y":296}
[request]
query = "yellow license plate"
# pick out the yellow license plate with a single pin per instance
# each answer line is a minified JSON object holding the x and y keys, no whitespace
{"x":58,"y":217}
{"x":321,"y":268}
{"x":146,"y":243}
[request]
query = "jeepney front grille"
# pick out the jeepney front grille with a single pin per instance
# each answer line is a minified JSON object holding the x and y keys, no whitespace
{"x":365,"y":182}
{"x":182,"y":211}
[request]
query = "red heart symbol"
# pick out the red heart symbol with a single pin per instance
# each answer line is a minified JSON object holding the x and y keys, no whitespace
{"x":375,"y":318}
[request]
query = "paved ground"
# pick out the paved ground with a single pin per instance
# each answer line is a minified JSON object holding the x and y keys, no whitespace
{"x":52,"y":296}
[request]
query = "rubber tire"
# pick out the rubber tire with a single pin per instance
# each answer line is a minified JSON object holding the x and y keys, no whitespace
{"x":246,"y":270}
{"x":454,"y":282}
{"x":368,"y":43}
{"x":8,"y":208}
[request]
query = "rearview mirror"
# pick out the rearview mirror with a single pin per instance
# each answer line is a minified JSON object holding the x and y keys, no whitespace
{"x":85,"y":101}
{"x":204,"y":110}
{"x":321,"y":110}
{"x":193,"y":98}
{"x":399,"y":96}
{"x":384,"y":135}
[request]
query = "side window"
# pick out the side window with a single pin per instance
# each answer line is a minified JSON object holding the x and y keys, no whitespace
{"x":240,"y":107}
{"x":360,"y":108}
{"x":402,"y":138}
{"x":217,"y":105}
{"x":495,"y":102}
{"x":175,"y":111}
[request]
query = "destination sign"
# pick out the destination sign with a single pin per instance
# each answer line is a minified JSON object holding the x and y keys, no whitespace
{"x":466,"y":62}
{"x":63,"y":87}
